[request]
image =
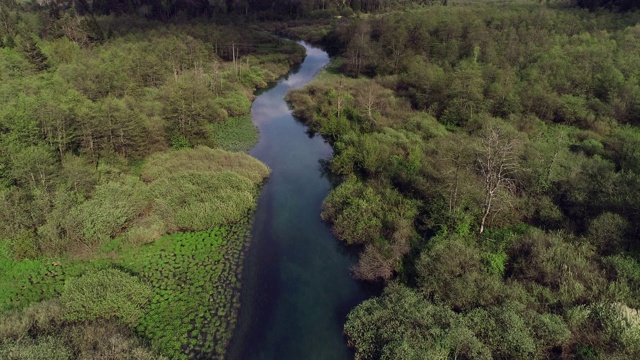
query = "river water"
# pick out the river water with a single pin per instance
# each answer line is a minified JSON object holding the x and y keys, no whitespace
{"x":296,"y":285}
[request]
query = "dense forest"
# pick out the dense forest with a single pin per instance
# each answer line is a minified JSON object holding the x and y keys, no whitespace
{"x":486,"y":162}
{"x":489,"y":172}
{"x":125,"y":197}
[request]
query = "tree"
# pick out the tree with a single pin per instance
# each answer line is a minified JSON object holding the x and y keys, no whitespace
{"x":34,"y":167}
{"x":31,"y":50}
{"x":453,"y":163}
{"x":358,"y":50}
{"x":465,"y":93}
{"x":498,"y":161}
{"x":607,"y":232}
{"x":8,"y":26}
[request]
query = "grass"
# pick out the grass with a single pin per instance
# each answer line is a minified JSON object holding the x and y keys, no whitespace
{"x":203,"y":159}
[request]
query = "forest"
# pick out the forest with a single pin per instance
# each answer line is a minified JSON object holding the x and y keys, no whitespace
{"x":485,"y":156}
{"x":126,"y":197}
{"x":488,"y":166}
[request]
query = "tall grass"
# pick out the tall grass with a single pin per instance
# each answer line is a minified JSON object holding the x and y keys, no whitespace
{"x":203,"y":159}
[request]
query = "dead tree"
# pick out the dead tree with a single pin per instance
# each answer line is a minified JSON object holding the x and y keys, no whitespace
{"x":497,"y":162}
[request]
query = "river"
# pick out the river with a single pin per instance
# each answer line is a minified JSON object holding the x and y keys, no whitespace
{"x":297,"y":288}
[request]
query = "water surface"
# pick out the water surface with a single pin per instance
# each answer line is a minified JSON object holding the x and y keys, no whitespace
{"x":297,"y":289}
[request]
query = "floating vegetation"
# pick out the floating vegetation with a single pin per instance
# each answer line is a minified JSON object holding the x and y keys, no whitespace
{"x":196,"y":281}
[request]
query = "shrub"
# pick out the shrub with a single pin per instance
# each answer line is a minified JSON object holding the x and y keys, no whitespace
{"x":203,"y":159}
{"x":105,"y":294}
{"x":235,"y":134}
{"x":42,"y":349}
{"x":235,"y":103}
{"x":146,"y":230}
{"x":105,"y":215}
{"x":106,"y":340}
{"x":37,"y":319}
{"x":452,"y":271}
{"x":201,"y":201}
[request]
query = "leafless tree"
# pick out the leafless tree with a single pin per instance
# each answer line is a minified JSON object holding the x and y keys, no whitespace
{"x":497,"y":162}
{"x":373,"y":265}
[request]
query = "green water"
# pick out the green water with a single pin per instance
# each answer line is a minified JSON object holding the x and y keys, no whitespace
{"x":297,"y":289}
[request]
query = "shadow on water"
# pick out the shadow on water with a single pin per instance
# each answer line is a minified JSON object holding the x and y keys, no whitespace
{"x":297,"y":287}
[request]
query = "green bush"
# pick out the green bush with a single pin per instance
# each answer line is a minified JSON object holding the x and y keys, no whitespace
{"x":200,"y":201}
{"x":105,"y":294}
{"x":361,"y":215}
{"x":403,"y":325}
{"x":46,"y":348}
{"x":146,"y":230}
{"x":235,"y":103}
{"x":113,"y":205}
{"x":451,"y":271}
{"x":624,"y":279}
{"x":235,"y":134}
{"x":203,"y":159}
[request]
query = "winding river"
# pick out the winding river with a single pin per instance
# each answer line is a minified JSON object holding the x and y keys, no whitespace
{"x":297,"y":289}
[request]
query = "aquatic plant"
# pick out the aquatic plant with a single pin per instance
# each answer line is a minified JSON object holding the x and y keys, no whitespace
{"x":195,"y":289}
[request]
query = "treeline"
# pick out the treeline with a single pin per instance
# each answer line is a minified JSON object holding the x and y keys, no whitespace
{"x":241,"y":9}
{"x":490,"y":176}
{"x":623,"y":5}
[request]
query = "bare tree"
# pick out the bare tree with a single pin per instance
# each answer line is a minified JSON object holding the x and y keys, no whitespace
{"x":373,"y":265}
{"x":497,"y":162}
{"x":340,"y":97}
{"x":371,"y":99}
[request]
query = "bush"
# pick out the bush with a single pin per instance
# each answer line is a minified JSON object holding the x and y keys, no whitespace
{"x":37,"y":319}
{"x":203,"y":159}
{"x":565,"y":269}
{"x":607,"y":232}
{"x":146,"y":230}
{"x":105,"y":294}
{"x":624,"y":279}
{"x":105,"y":215}
{"x":235,"y":103}
{"x":235,"y":134}
{"x":403,"y":325}
{"x":452,"y":272}
{"x":200,"y":201}
{"x":42,"y":349}
{"x":361,"y":215}
{"x":106,"y":340}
